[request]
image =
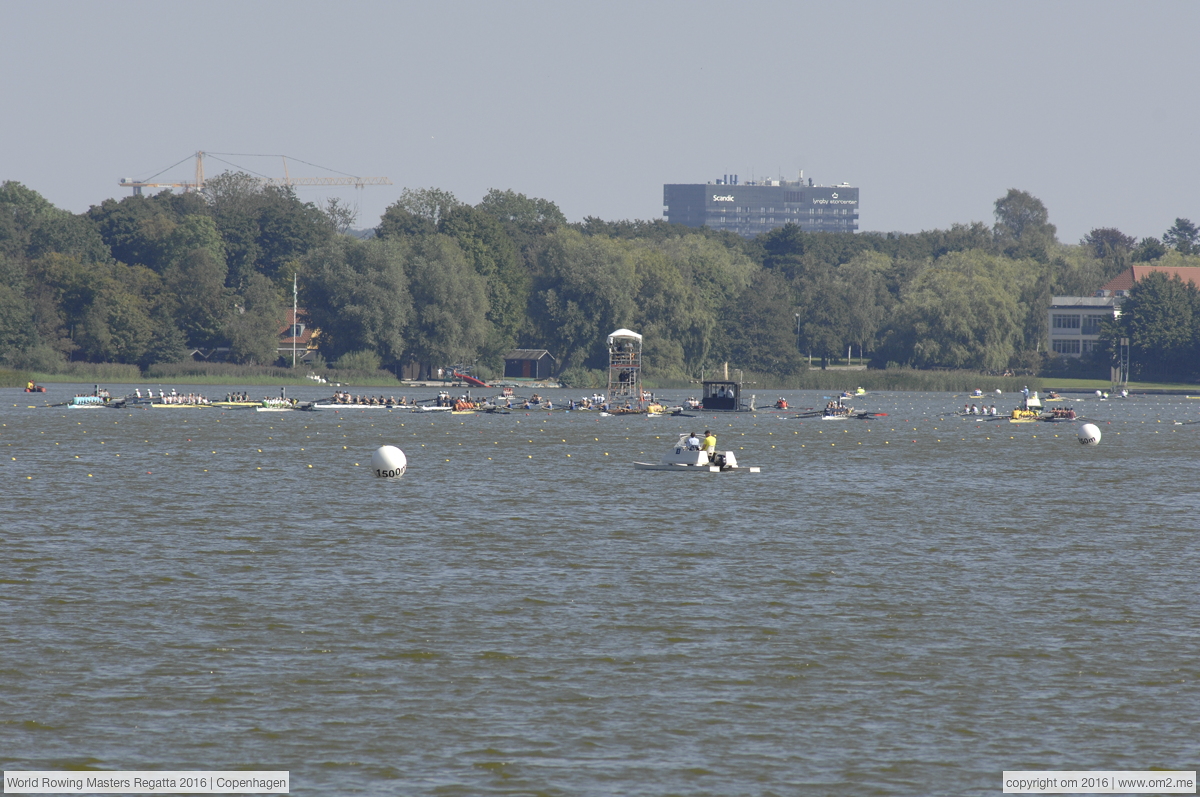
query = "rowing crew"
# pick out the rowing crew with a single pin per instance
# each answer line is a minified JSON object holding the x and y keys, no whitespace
{"x":342,"y":397}
{"x":173,"y":398}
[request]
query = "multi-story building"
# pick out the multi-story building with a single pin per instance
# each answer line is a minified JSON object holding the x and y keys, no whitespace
{"x":1075,"y":321}
{"x":749,"y":209}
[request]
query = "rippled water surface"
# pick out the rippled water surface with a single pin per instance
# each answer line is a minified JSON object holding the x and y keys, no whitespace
{"x":906,"y":605}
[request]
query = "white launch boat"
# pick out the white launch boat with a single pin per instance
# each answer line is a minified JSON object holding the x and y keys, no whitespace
{"x":682,"y":458}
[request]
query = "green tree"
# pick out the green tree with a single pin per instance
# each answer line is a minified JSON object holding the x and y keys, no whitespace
{"x":961,"y":312}
{"x":1149,"y":250}
{"x":339,"y":215}
{"x":494,"y":256}
{"x":190,"y":234}
{"x":1183,"y":236}
{"x":718,"y":273}
{"x":417,"y":212}
{"x":264,"y":228}
{"x":287,"y":229}
{"x":197,"y":283}
{"x":1160,"y":319}
{"x":824,"y":321}
{"x":233,"y":201}
{"x":253,"y":326}
{"x":448,"y":325}
{"x":867,"y":299}
{"x":167,"y":343}
{"x":1023,"y":227}
{"x":530,"y":215}
{"x":677,"y":328}
{"x":122,"y":226}
{"x":356,"y":293}
{"x":16,"y":317}
{"x":69,"y":235}
{"x":21,"y":211}
{"x":761,"y":326}
{"x":115,"y":327}
{"x":585,"y":291}
{"x":1108,"y":241}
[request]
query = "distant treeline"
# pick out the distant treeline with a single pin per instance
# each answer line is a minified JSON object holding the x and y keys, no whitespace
{"x":145,"y":280}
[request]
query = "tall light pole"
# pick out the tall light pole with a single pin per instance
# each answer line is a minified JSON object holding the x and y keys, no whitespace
{"x":295,"y":326}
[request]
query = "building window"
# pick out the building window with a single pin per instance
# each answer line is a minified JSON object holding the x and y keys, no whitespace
{"x":1066,"y":346}
{"x":1066,"y":322}
{"x":1091,"y":324}
{"x":1089,"y":346}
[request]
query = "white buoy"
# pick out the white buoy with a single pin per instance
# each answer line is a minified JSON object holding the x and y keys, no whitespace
{"x":999,"y":392}
{"x":1089,"y":434}
{"x":1098,"y":394}
{"x":389,"y":462}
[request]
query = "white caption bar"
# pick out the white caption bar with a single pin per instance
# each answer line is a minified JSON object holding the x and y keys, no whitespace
{"x":1099,"y":782}
{"x":197,"y":782}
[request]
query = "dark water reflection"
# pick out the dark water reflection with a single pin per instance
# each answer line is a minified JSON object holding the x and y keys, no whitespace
{"x":907,"y":605}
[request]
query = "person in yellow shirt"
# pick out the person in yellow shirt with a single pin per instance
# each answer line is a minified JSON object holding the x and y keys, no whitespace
{"x":710,"y":443}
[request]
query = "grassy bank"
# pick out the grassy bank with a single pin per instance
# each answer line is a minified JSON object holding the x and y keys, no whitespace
{"x":188,"y":373}
{"x":890,"y":379}
{"x":1104,"y":384}
{"x":14,"y":378}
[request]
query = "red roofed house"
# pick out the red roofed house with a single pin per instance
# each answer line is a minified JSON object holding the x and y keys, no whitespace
{"x":297,"y":336}
{"x":1121,"y":284}
{"x":1075,"y":320}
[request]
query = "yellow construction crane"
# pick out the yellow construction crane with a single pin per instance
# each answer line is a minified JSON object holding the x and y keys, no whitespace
{"x":286,"y":180}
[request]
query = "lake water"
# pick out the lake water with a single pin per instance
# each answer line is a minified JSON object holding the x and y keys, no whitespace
{"x":906,"y":605}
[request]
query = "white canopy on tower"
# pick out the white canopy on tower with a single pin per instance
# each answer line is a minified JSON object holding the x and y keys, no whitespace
{"x":623,"y":333}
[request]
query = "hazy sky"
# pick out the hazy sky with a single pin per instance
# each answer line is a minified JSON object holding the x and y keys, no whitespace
{"x":933,"y":109}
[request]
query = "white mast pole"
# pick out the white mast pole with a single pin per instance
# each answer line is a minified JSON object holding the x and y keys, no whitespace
{"x":294,"y":323}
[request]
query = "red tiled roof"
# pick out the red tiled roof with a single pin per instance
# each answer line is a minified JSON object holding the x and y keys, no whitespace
{"x":285,"y":340}
{"x":1124,"y":281}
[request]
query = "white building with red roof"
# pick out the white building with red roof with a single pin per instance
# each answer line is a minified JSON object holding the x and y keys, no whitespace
{"x":297,"y":338}
{"x":1075,"y":321}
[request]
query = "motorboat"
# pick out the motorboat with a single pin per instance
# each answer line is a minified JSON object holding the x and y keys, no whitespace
{"x":681,"y":457}
{"x":723,"y":395}
{"x":1029,"y":411}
